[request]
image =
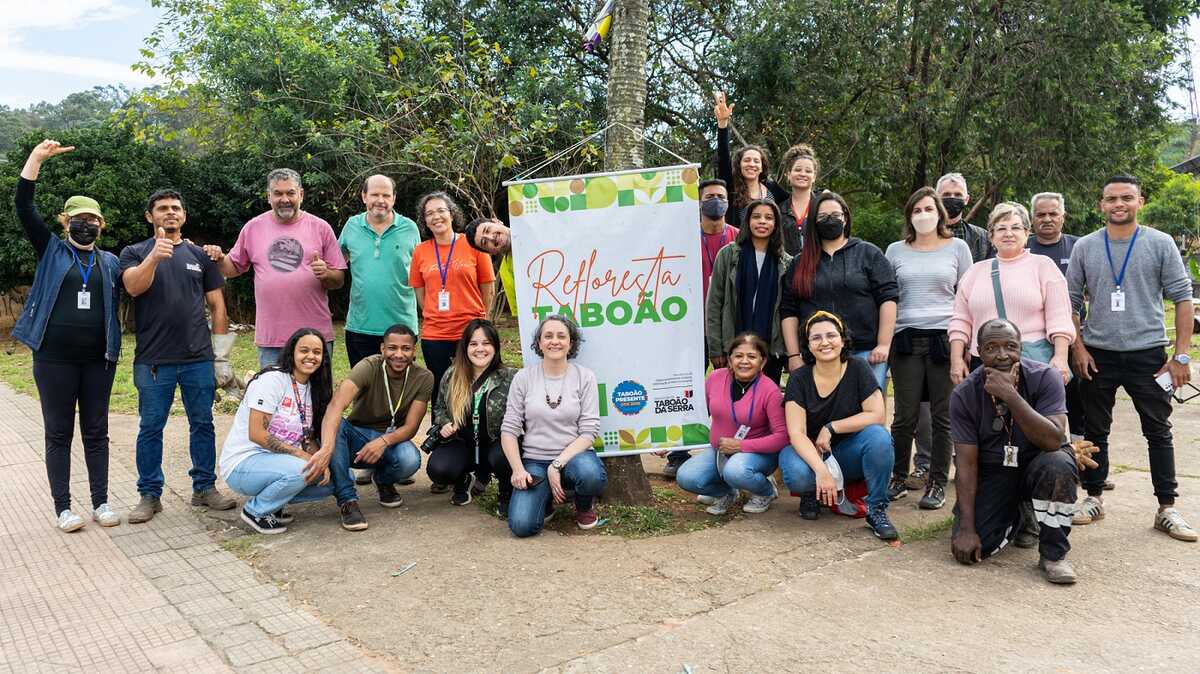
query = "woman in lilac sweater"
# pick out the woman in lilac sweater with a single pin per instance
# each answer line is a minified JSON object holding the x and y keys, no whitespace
{"x":746,"y":433}
{"x":1033,"y":294}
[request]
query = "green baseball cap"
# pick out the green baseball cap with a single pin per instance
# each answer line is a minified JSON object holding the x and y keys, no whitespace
{"x":78,"y":205}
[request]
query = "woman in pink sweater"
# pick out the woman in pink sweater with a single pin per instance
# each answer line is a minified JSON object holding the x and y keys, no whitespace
{"x":1027,"y":289}
{"x":747,"y":432}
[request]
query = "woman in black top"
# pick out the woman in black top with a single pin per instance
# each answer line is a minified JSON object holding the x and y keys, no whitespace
{"x":843,"y":275}
{"x":70,"y":323}
{"x":835,"y":408}
{"x":798,"y":170}
{"x":746,"y":172}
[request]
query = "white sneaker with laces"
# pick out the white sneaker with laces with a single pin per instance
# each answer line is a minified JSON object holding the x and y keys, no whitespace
{"x":759,"y":504}
{"x":706,"y":500}
{"x":105,"y":516}
{"x":69,"y":521}
{"x":1171,"y":521}
{"x":722,"y":503}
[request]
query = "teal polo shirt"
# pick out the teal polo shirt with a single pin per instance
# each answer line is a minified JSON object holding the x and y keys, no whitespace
{"x":380,"y":295}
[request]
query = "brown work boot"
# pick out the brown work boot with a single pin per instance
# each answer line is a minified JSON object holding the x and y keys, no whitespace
{"x":144,"y":510}
{"x":213,"y":499}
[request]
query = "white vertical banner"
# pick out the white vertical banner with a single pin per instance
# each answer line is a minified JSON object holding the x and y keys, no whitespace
{"x":620,"y":252}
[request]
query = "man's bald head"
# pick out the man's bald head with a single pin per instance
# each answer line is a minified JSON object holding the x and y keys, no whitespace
{"x":998,"y":326}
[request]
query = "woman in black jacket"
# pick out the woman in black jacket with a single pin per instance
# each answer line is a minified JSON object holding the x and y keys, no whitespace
{"x":843,"y":275}
{"x":798,"y":170}
{"x":746,"y":173}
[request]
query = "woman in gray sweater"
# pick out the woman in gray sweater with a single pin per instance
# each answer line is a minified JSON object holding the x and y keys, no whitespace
{"x":554,"y":405}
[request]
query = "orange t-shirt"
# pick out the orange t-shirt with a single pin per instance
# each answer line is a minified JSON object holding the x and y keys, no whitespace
{"x":468,"y":269}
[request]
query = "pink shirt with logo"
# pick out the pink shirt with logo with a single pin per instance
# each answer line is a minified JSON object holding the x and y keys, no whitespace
{"x":287,"y":296}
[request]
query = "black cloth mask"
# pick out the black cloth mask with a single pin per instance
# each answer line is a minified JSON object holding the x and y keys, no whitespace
{"x":83,"y":232}
{"x":830,"y":227}
{"x":954,"y":206}
{"x":714,"y":209}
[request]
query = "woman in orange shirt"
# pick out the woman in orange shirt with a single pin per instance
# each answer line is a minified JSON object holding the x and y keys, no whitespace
{"x":454,"y":282}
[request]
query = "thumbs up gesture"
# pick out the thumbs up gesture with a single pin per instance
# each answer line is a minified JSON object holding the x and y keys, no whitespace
{"x":163,"y":247}
{"x":319,"y":268}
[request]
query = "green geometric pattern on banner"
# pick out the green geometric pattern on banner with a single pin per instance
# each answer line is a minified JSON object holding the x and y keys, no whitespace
{"x":600,"y":192}
{"x":653,"y":437}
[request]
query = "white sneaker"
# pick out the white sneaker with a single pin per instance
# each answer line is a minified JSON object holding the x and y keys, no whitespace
{"x":706,"y":500}
{"x":722,"y":504}
{"x":759,"y":504}
{"x":105,"y":516}
{"x":1171,"y":521}
{"x":69,"y":521}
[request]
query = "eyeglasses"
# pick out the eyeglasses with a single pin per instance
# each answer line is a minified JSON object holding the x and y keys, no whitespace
{"x":827,"y":337}
{"x":437,"y":211}
{"x":77,"y":222}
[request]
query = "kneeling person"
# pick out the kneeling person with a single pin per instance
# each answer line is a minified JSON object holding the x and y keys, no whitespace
{"x":1008,"y":422}
{"x":390,"y":395}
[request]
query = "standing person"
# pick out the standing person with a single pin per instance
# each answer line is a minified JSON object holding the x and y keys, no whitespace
{"x":843,"y":275}
{"x":746,"y":288}
{"x":745,"y":451}
{"x":296,"y":261}
{"x":468,"y":415}
{"x":1009,"y":427}
{"x":268,"y":452}
{"x":70,"y":323}
{"x":1024,"y":288}
{"x":379,"y":246}
{"x":554,"y":405}
{"x":835,"y":408}
{"x":929,"y":262}
{"x":451,"y":289}
{"x":1127,"y":270}
{"x":390,"y":393}
{"x":171,"y":282}
{"x":952,"y":188}
{"x":745,"y":175}
{"x":800,"y":169}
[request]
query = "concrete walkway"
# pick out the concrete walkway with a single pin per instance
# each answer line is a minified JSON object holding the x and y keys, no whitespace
{"x":160,"y":596}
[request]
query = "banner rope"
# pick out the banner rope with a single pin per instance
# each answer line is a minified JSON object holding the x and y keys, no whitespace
{"x":640,"y":134}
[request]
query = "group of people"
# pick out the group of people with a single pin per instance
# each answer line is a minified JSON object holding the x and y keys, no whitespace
{"x":992,"y":339}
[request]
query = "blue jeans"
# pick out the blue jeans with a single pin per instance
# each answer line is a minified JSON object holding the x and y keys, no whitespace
{"x":156,"y":391}
{"x":269,"y":355}
{"x":273,"y":481}
{"x":865,"y":455}
{"x":880,"y":370}
{"x":398,"y":461}
{"x":744,"y":470}
{"x":527,"y":509}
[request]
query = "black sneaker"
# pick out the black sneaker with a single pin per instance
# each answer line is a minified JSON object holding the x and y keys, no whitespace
{"x":673,"y":464}
{"x":881,"y":526}
{"x":897,"y":490}
{"x":934,"y":498}
{"x":810,"y":507}
{"x":437,"y":488}
{"x":502,"y":509}
{"x":406,"y":481}
{"x":388,"y":498}
{"x":352,"y":517}
{"x":481,"y":485}
{"x":266,"y":524}
{"x":462,"y":491}
{"x":283,"y":517}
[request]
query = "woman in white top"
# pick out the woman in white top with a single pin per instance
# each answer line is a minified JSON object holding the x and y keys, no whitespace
{"x":275,"y":433}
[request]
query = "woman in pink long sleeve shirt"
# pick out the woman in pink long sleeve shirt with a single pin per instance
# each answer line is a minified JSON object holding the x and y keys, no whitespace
{"x":1034,"y":293}
{"x":747,"y":432}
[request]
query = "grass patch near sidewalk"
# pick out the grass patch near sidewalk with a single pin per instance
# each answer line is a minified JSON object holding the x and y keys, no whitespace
{"x":244,"y":547}
{"x":926,"y":532}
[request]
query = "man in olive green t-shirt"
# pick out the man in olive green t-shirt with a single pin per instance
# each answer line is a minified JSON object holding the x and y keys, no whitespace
{"x":390,"y":395}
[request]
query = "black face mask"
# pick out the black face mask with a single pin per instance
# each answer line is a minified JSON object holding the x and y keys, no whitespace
{"x":714,"y":209}
{"x":954,"y":206}
{"x":830,"y":227}
{"x":83,"y":232}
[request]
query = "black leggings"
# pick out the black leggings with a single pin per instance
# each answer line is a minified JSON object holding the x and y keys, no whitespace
{"x":61,"y":386}
{"x":438,"y":355}
{"x":451,"y":461}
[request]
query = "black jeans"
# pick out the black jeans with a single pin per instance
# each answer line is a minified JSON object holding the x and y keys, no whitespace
{"x":451,"y":461}
{"x":61,"y":386}
{"x":1133,"y":370}
{"x":1076,"y":416}
{"x":359,"y":346}
{"x":912,"y":375}
{"x":438,"y":355}
{"x":1048,"y":480}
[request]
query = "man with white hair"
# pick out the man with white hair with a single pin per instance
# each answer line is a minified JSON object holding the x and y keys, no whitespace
{"x":952,"y":188}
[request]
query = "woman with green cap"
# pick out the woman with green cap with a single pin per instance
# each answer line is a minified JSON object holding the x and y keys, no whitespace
{"x":70,"y":323}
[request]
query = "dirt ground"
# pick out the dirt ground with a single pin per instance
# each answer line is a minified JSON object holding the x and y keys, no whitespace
{"x":762,"y":593}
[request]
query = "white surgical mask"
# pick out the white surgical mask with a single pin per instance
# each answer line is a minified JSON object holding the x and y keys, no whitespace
{"x":925,"y":222}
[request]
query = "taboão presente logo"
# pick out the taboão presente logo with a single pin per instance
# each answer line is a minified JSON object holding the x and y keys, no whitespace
{"x":629,"y":397}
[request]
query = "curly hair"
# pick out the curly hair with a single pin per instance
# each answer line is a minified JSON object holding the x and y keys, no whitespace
{"x":573,"y":334}
{"x":456,"y":212}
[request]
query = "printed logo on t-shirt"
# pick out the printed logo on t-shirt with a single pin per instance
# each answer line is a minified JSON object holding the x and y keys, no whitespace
{"x":285,"y":254}
{"x":192,"y":266}
{"x":287,"y":402}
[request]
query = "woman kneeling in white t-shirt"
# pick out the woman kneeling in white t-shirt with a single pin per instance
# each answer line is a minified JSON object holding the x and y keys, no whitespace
{"x":275,"y":432}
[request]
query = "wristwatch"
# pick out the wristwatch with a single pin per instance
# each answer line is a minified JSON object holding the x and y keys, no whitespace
{"x":556,"y":465}
{"x":1183,"y":358}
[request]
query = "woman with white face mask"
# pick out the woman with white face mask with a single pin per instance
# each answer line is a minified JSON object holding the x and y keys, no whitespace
{"x":929,"y":262}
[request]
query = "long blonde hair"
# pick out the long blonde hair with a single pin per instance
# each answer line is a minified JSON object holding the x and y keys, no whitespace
{"x":461,"y":388}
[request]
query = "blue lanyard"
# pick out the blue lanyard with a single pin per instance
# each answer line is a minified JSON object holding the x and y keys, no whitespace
{"x":712,"y":259}
{"x":753,"y":394}
{"x":1118,"y":278}
{"x":86,"y":274}
{"x":443,"y":271}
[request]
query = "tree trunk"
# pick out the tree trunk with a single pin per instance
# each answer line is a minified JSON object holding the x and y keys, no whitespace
{"x":624,"y":149}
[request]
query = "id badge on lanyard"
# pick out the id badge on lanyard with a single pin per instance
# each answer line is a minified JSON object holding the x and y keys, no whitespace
{"x":1010,"y":456}
{"x":443,"y":298}
{"x":1117,"y":299}
{"x":83,"y":298}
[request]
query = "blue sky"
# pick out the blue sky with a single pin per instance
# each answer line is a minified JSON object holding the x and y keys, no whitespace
{"x":42,"y":60}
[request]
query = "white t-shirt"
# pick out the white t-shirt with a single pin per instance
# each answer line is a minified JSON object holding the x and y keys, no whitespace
{"x":272,"y":394}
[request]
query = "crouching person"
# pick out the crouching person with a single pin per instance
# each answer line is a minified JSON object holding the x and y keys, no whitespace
{"x":267,"y":453}
{"x":1008,"y":421}
{"x":555,"y":406}
{"x":390,"y":395}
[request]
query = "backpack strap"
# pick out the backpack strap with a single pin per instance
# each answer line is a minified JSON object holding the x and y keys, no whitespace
{"x":996,"y":288}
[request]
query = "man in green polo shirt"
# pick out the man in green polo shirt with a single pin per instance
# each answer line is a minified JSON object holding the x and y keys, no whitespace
{"x":378,"y":246}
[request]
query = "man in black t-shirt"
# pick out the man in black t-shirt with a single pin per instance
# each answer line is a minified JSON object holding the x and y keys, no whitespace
{"x":171,"y":281}
{"x":1008,"y":423}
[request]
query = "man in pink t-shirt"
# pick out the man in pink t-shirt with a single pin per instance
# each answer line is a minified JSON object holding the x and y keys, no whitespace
{"x":296,"y":261}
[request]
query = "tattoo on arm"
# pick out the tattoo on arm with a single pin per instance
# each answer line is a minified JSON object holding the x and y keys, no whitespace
{"x":278,"y":446}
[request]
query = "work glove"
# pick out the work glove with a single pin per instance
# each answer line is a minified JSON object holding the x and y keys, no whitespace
{"x":227,"y":381}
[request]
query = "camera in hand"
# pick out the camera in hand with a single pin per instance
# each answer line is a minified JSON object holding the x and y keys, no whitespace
{"x":432,"y":441}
